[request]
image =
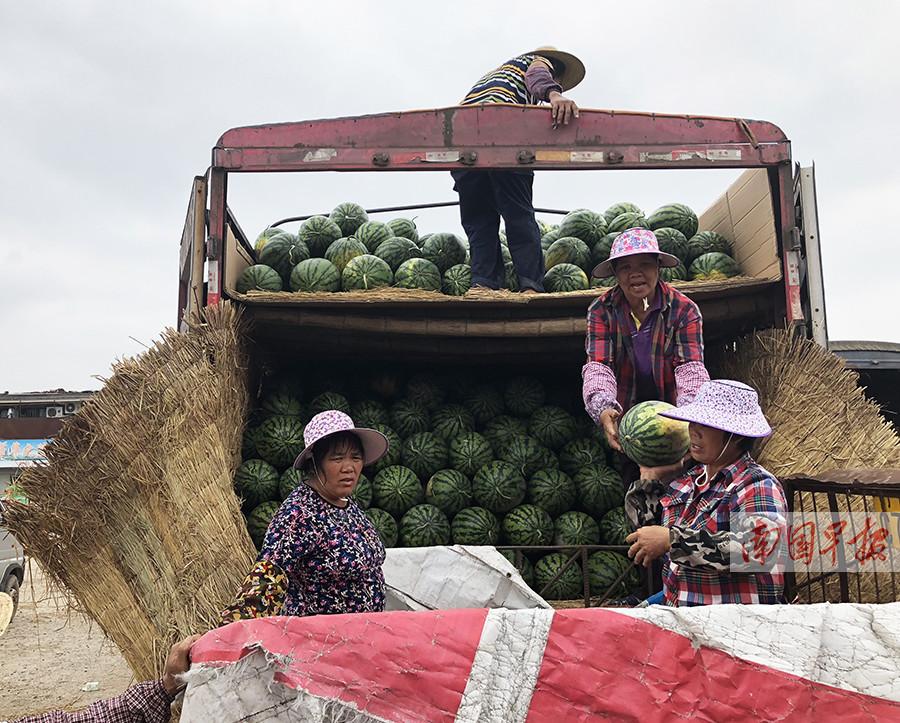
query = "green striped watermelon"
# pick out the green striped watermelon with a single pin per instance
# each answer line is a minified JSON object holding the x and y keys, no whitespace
{"x":568,"y":250}
{"x":485,"y":402}
{"x":674,"y":215}
{"x":627,"y":220}
{"x":315,"y":275}
{"x":601,"y":249}
{"x":528,"y":525}
{"x":674,"y":273}
{"x":258,"y":521}
{"x":469,"y":452}
{"x":449,"y":490}
{"x":424,"y":453}
{"x":706,"y":242}
{"x":289,"y":481}
{"x":552,"y":426}
{"x":418,"y":274}
{"x":259,"y":277}
{"x":279,"y":440}
{"x":396,"y":250}
{"x":256,"y":481}
{"x":586,"y":225}
{"x":327,"y":401}
{"x":672,"y":241}
{"x":405,"y":228}
{"x":368,"y":413}
{"x":548,"y":459}
{"x":281,"y":401}
{"x":614,"y":527}
{"x":505,"y":254}
{"x":580,"y":453}
{"x":600,"y":489}
{"x":475,"y":526}
{"x":713,"y":267}
{"x":607,"y":282}
{"x":523,"y":453}
{"x":372,"y":234}
{"x":385,"y":525}
{"x":510,"y":277}
{"x":501,"y":429}
{"x":552,"y":490}
{"x":423,"y":238}
{"x":341,"y":251}
{"x":349,"y":217}
{"x":394,"y":451}
{"x":396,"y":489}
{"x":283,"y":252}
{"x":565,"y":277}
{"x":651,"y":440}
{"x":556,"y":578}
{"x":318,"y":233}
{"x":409,"y":417}
{"x":366,"y":272}
{"x":426,"y":389}
{"x":248,"y":443}
{"x":523,"y":565}
{"x":499,"y":487}
{"x":502,"y":236}
{"x":575,"y":528}
{"x":617,"y":209}
{"x":457,"y":280}
{"x":444,"y":250}
{"x":548,"y":238}
{"x":362,"y":493}
{"x":424,"y":526}
{"x":523,"y":395}
{"x":452,"y":420}
{"x":264,"y":237}
{"x":605,"y":567}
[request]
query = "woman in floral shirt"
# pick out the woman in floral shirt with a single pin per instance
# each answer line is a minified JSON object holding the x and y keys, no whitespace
{"x":321,"y":554}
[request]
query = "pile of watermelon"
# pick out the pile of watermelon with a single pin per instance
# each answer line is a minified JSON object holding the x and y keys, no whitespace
{"x":473,"y":459}
{"x":346,"y":251}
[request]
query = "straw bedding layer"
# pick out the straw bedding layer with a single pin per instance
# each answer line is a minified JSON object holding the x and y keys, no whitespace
{"x":134,"y":513}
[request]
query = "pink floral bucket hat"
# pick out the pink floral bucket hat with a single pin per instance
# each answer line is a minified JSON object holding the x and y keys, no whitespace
{"x":332,"y":421}
{"x":630,"y":243}
{"x":727,"y":405}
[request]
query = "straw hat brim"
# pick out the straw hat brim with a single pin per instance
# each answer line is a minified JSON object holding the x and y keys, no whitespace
{"x":754,"y":425}
{"x":605,"y":268}
{"x":374,"y":443}
{"x":6,"y":611}
{"x":574,"y":70}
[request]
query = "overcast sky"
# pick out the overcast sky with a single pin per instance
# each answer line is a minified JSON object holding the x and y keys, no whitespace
{"x":108,"y":110}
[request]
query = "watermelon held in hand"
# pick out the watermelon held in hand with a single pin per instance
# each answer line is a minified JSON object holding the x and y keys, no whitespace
{"x":256,"y":481}
{"x":396,"y":250}
{"x":349,"y":217}
{"x":366,"y":272}
{"x":283,"y":252}
{"x":552,"y":490}
{"x":343,"y":250}
{"x":449,"y":490}
{"x":397,"y":489}
{"x":404,"y":228}
{"x":444,"y":250}
{"x":674,"y":215}
{"x":706,"y":242}
{"x":424,"y":526}
{"x":586,"y":225}
{"x":627,"y":220}
{"x":499,"y":487}
{"x":457,"y":280}
{"x":614,"y":527}
{"x":528,"y":525}
{"x":617,"y":209}
{"x":385,"y":525}
{"x":605,"y":567}
{"x":565,"y":277}
{"x":279,"y":440}
{"x":558,"y":577}
{"x":418,"y":274}
{"x":259,"y":277}
{"x":475,"y":526}
{"x":315,"y":275}
{"x":576,"y":528}
{"x":258,"y":521}
{"x":713,"y":267}
{"x":318,"y":233}
{"x":651,"y":440}
{"x":425,"y":454}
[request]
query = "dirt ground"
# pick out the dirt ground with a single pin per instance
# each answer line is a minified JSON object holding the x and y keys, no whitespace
{"x":48,"y":654}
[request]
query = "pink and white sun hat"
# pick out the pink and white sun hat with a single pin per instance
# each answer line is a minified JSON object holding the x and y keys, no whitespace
{"x":332,"y":421}
{"x":630,"y":243}
{"x":727,"y":405}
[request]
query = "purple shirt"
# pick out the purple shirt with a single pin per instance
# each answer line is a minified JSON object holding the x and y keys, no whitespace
{"x":641,"y":344}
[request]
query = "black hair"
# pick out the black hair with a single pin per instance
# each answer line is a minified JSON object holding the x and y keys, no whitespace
{"x":324,"y":447}
{"x":745,"y":444}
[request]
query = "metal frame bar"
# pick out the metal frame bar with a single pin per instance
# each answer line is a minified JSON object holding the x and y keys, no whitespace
{"x":815,"y":283}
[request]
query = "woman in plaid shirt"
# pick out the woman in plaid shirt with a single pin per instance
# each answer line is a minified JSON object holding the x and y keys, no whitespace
{"x":723,"y":520}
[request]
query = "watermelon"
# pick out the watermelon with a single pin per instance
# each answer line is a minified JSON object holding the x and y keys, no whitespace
{"x":605,"y":567}
{"x":565,"y":277}
{"x":394,"y":451}
{"x":444,"y":250}
{"x":617,"y":209}
{"x":506,"y":255}
{"x":558,"y":577}
{"x":510,"y":277}
{"x":362,"y":493}
{"x":600,"y":489}
{"x":288,"y":482}
{"x":607,"y":282}
{"x":586,"y":225}
{"x":368,"y":413}
{"x":315,"y":275}
{"x":279,"y":440}
{"x":475,"y":526}
{"x":327,"y":401}
{"x":672,"y":241}
{"x":674,"y":273}
{"x":426,"y":389}
{"x":424,"y":526}
{"x":523,"y":453}
{"x":523,"y":396}
{"x":651,"y":440}
{"x":248,"y":443}
{"x":548,"y":238}
{"x":384,"y":524}
{"x":713,"y":267}
{"x":580,"y":453}
{"x":706,"y":242}
{"x":396,"y":250}
{"x":469,"y":452}
{"x":372,"y":234}
{"x":674,"y":215}
{"x":527,"y":525}
{"x":523,"y":565}
{"x":283,"y":252}
{"x":499,"y":487}
{"x":418,"y":274}
{"x":548,"y":459}
{"x":457,"y":280}
{"x":614,"y":527}
{"x":424,"y":453}
{"x":366,"y":272}
{"x":423,"y":238}
{"x":396,"y":489}
{"x":545,"y":227}
{"x":502,"y":236}
{"x":449,"y":490}
{"x":575,"y":528}
{"x":349,"y":217}
{"x":256,"y":481}
{"x":409,"y":417}
{"x":501,"y":429}
{"x":484,"y":402}
{"x":451,"y":421}
{"x":552,"y":426}
{"x":552,"y":490}
{"x":258,"y":521}
{"x":342,"y":250}
{"x":568,"y":250}
{"x":627,"y":220}
{"x":264,"y":237}
{"x":259,"y":277}
{"x":318,"y":233}
{"x":281,"y":402}
{"x":601,"y":249}
{"x":404,"y":228}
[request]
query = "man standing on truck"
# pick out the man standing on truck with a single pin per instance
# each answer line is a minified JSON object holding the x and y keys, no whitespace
{"x":484,"y":196}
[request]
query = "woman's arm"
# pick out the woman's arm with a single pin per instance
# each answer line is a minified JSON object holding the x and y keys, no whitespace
{"x":642,"y":500}
{"x":690,"y":371}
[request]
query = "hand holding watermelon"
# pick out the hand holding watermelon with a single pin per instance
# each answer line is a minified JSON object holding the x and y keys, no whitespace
{"x":609,"y":420}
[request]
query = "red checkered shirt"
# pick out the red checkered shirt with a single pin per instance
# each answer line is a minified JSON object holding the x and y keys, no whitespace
{"x":142,"y":703}
{"x":677,"y":338}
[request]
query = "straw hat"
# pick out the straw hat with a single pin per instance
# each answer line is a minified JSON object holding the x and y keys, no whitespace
{"x":630,"y":243}
{"x":574,"y":68}
{"x":727,"y":405}
{"x":6,"y":611}
{"x":325,"y":424}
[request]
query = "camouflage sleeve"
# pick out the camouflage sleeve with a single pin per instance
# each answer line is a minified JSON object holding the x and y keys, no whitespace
{"x":753,"y":548}
{"x":642,"y":505}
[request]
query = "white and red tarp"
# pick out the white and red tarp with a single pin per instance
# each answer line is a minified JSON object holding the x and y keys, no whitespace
{"x":719,"y":663}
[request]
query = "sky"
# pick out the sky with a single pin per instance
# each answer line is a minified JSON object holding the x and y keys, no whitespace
{"x":108,"y":110}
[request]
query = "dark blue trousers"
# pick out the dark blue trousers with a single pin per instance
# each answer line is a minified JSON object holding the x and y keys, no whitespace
{"x":485,"y":196}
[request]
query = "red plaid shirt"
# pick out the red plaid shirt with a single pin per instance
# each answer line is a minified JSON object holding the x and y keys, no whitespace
{"x":677,"y":338}
{"x":142,"y":703}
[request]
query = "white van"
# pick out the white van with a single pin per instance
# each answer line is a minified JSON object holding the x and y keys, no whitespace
{"x":12,"y":556}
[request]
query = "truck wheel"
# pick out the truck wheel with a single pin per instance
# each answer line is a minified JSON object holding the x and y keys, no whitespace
{"x":12,"y":587}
